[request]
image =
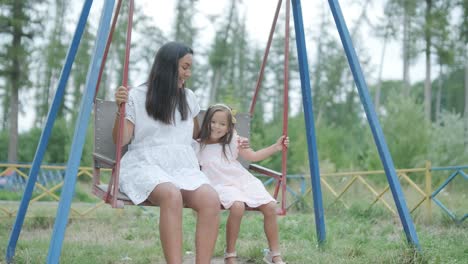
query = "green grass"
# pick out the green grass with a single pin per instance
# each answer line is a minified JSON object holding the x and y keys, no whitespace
{"x":356,"y":235}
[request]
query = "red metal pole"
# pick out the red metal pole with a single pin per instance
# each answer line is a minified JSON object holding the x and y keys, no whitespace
{"x":284,"y":157}
{"x":106,"y":51}
{"x":116,"y":170}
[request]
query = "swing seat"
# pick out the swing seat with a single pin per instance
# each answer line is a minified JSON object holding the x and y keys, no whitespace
{"x":104,"y":150}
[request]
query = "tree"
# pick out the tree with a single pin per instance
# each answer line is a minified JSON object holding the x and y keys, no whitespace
{"x":444,"y":46}
{"x":16,"y":27}
{"x":436,"y":32}
{"x":51,"y":56}
{"x":464,"y":40}
{"x":404,"y":10}
{"x":274,"y":88}
{"x":408,"y":146}
{"x":79,"y":73}
{"x":221,"y":50}
{"x":389,"y":32}
{"x":185,"y":32}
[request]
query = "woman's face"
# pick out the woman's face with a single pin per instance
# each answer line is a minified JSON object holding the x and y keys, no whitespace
{"x":185,"y":69}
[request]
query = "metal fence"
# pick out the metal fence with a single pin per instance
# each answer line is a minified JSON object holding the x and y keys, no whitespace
{"x":339,"y":188}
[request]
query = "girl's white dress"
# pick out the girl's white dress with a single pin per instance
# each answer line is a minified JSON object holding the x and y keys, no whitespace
{"x":158,"y":152}
{"x":229,"y":178}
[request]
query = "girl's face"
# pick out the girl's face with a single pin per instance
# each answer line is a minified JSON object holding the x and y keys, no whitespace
{"x":185,"y":69}
{"x":219,"y":126}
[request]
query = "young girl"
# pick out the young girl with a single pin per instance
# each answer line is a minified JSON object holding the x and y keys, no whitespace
{"x":217,"y":151}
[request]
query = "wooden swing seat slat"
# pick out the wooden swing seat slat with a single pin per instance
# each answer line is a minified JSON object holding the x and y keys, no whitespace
{"x":104,"y":148}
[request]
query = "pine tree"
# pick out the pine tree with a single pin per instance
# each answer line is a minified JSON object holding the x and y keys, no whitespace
{"x":17,"y":28}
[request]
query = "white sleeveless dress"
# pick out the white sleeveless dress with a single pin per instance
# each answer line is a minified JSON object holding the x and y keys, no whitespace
{"x":158,"y":152}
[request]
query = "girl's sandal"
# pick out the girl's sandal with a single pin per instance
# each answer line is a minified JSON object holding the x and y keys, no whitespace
{"x":269,"y":256}
{"x":229,"y":255}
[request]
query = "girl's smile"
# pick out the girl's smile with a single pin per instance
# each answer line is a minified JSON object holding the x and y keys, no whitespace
{"x":219,"y":126}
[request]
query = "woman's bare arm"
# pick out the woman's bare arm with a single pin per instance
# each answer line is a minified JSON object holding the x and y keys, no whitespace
{"x":121,"y":97}
{"x":127,"y":131}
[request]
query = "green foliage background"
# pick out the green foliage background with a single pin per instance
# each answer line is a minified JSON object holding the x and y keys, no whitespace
{"x":344,"y":139}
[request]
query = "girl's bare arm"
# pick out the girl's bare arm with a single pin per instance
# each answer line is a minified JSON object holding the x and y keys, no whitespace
{"x":254,"y":156}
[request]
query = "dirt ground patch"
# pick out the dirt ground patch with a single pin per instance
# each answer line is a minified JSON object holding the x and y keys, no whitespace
{"x":191,"y":260}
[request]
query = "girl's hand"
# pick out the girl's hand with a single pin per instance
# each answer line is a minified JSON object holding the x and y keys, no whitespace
{"x":282,"y":141}
{"x":121,"y":95}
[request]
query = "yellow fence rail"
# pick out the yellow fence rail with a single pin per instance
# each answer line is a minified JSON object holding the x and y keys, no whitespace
{"x":337,"y":187}
{"x":339,"y":184}
{"x":47,"y":193}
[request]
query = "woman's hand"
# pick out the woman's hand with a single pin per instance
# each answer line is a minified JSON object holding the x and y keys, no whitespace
{"x":282,"y":141}
{"x":243,"y":142}
{"x":121,"y":95}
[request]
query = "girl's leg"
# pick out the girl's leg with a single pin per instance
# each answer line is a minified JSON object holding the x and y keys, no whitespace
{"x":205,"y":202}
{"x":270,"y":226}
{"x":236,"y":212}
{"x":169,"y":199}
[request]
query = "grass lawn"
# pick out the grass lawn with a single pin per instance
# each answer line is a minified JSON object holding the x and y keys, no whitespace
{"x":131,"y":236}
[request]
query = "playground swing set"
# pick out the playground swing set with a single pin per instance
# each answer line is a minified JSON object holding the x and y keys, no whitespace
{"x":107,"y":155}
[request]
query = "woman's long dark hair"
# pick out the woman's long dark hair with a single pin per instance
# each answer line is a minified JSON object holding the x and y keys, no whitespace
{"x":164,"y":95}
{"x":205,"y":130}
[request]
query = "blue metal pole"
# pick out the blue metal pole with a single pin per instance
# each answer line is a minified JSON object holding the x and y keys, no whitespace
{"x":43,"y":141}
{"x":79,"y":136}
{"x":379,"y":139}
{"x":309,"y":121}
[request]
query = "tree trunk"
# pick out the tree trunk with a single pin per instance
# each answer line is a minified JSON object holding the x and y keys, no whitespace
{"x":466,"y":80}
{"x":427,"y":82}
{"x":379,"y":84}
{"x":466,"y":97}
{"x":316,"y":91}
{"x":439,"y":94}
{"x":216,"y":79}
{"x":406,"y":53}
{"x":428,"y":86}
{"x":15,"y":86}
{"x":13,"y":131}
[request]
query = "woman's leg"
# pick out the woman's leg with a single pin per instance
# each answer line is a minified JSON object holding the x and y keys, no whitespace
{"x":169,"y":199}
{"x":236,"y":212}
{"x":205,"y":202}
{"x":270,"y":226}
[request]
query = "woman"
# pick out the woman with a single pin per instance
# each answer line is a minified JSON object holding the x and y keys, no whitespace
{"x":160,"y":165}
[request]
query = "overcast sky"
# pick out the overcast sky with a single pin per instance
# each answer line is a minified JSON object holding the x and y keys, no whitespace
{"x":259,"y":16}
